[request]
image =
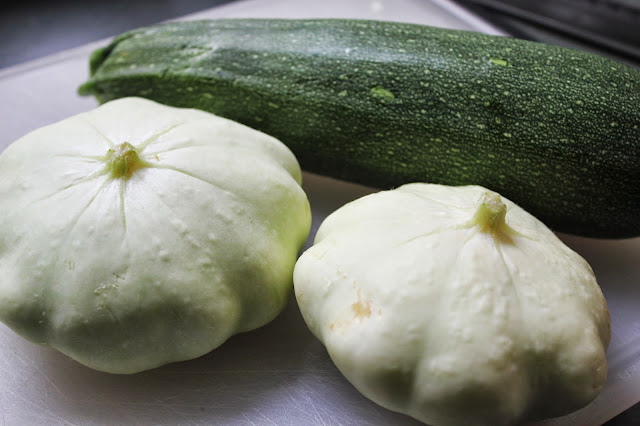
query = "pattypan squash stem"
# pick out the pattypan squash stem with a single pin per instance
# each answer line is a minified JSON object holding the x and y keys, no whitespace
{"x":490,"y":213}
{"x":123,"y":161}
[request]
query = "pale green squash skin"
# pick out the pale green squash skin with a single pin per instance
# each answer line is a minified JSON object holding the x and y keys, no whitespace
{"x":455,"y":306}
{"x":158,"y":260}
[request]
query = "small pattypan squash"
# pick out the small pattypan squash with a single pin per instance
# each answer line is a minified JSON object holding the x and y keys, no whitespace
{"x":138,"y":234}
{"x":455,"y":306}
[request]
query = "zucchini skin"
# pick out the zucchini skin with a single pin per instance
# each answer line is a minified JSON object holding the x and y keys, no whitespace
{"x":553,"y":129}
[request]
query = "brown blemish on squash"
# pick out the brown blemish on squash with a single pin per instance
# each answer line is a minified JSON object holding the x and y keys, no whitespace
{"x":361,"y":309}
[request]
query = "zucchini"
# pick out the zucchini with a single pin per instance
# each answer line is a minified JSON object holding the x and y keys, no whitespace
{"x":554,"y":129}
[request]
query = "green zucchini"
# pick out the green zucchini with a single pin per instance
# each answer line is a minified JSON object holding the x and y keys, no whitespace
{"x":379,"y":103}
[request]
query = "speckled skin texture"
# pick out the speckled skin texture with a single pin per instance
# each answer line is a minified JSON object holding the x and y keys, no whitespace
{"x":383,"y":104}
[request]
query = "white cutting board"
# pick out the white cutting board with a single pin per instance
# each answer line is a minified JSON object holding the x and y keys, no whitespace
{"x":279,"y":374}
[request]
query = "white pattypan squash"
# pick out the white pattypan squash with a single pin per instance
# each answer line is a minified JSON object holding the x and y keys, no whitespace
{"x":454,"y":306}
{"x":138,"y":234}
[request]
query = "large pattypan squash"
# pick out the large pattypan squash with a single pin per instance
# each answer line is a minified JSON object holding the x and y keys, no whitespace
{"x":137,"y":234}
{"x":454,"y":306}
